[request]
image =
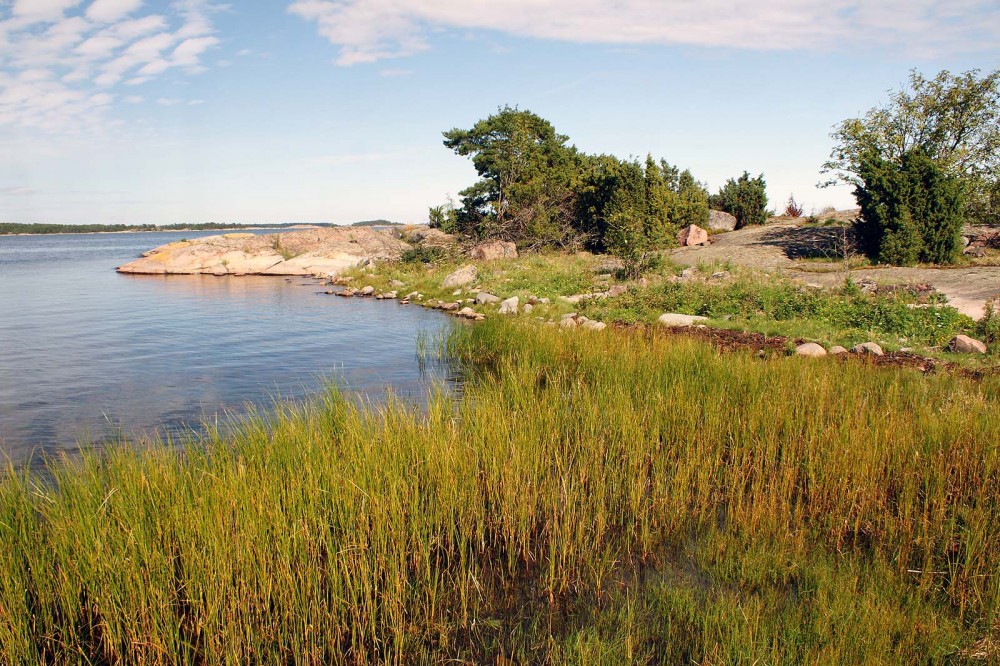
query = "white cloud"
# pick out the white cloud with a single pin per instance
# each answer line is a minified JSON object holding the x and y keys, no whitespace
{"x":168,"y":101}
{"x":134,"y":99}
{"x":107,"y":11}
{"x":372,"y":30}
{"x":61,"y":60}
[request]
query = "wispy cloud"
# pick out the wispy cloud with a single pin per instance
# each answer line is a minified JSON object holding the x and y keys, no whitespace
{"x":16,"y":191}
{"x":373,"y":30}
{"x":62,"y":60}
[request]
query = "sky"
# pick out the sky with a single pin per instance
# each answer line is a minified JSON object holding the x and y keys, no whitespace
{"x":259,"y":111}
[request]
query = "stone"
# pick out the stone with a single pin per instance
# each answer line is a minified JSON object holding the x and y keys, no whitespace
{"x":567,"y":322}
{"x":617,"y":290}
{"x":494,"y":250}
{"x":675,"y":319}
{"x":391,"y":294}
{"x":509,"y":306}
{"x":457,"y":292}
{"x":591,"y":325}
{"x":544,"y":301}
{"x":396,"y":283}
{"x":412,"y":294}
{"x":810,"y":349}
{"x":467,"y":312}
{"x":347,"y":293}
{"x":485,"y":298}
{"x":720,"y":275}
{"x":367,"y":290}
{"x":869,"y":348}
{"x":462,"y":276}
{"x":963,"y":344}
{"x":837,"y":350}
{"x":449,"y":307}
{"x":688,"y":273}
{"x":569,"y":315}
{"x":692,"y":235}
{"x":527,"y":308}
{"x":721,"y":221}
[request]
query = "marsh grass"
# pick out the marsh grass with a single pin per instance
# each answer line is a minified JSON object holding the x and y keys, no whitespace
{"x":590,"y":498}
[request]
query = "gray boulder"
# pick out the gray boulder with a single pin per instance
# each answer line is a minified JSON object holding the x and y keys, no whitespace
{"x":837,"y":350}
{"x":869,"y":348}
{"x":591,"y":325}
{"x":810,"y":349}
{"x":963,"y":344}
{"x":462,"y":276}
{"x":484,"y":298}
{"x":675,"y":319}
{"x":720,"y":221}
{"x":509,"y":306}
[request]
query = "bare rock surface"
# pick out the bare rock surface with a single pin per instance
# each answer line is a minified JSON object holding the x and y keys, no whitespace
{"x":325,"y":251}
{"x":787,"y":247}
{"x":462,"y":276}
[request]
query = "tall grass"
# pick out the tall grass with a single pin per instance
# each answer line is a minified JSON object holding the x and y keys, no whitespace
{"x":588,"y":499}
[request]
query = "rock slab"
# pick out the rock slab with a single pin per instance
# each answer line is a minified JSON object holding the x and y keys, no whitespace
{"x":692,"y":235}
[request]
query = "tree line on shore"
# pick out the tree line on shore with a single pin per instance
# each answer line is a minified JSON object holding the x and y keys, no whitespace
{"x":921,"y":167}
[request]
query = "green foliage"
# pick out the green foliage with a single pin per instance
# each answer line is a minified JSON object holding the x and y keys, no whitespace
{"x":845,"y":317}
{"x":744,"y":198}
{"x":612,"y":498}
{"x":910,"y":212}
{"x":955,"y":119}
{"x":536,"y":190}
{"x":528,"y":180}
{"x":423,"y":254}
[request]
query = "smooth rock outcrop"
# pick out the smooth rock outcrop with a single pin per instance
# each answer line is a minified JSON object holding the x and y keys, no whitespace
{"x":324,"y":251}
{"x":494,"y":250}
{"x":675,"y":319}
{"x":963,"y":344}
{"x":692,"y":235}
{"x":463,"y":276}
{"x":810,"y":349}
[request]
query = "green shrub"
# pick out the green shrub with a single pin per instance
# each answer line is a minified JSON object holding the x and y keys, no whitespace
{"x":909,"y":212}
{"x":744,"y":198}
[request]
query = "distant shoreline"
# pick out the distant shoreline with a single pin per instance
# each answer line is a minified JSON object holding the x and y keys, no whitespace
{"x":14,"y":229}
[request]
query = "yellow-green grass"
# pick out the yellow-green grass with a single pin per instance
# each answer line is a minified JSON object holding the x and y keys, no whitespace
{"x":602,"y":497}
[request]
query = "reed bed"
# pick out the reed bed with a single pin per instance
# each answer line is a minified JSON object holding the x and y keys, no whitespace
{"x":589,"y":498}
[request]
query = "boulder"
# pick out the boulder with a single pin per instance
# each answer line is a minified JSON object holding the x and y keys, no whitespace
{"x":367,"y":290}
{"x":396,"y":283}
{"x":462,"y":276}
{"x":675,"y":319}
{"x":720,"y":221}
{"x":810,"y":349}
{"x":528,"y":307}
{"x":692,"y":235}
{"x":449,"y":307}
{"x":567,"y":322}
{"x":484,"y":298}
{"x":963,"y":344}
{"x":837,"y":350}
{"x":591,"y":325}
{"x":617,"y":290}
{"x":494,"y":250}
{"x":467,"y":312}
{"x":509,"y":306}
{"x":869,"y":348}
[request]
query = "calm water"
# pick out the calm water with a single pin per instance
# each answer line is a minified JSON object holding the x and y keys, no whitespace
{"x":84,"y":350}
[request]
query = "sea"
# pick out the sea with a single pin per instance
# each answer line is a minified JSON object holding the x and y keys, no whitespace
{"x":89,"y":356}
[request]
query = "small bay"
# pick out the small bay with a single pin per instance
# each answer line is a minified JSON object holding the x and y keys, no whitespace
{"x":86,"y":353}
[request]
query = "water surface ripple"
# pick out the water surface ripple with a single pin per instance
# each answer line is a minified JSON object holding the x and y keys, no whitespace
{"x":84,"y":350}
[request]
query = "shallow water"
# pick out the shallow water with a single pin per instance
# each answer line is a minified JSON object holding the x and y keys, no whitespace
{"x":85,"y":351}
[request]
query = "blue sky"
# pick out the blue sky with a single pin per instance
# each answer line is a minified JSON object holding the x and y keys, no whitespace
{"x":136,"y":111}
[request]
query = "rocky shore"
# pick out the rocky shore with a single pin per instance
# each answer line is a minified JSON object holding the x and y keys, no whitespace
{"x":321,"y":252}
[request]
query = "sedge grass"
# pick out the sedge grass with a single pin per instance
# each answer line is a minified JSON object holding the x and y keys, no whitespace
{"x":589,"y":498}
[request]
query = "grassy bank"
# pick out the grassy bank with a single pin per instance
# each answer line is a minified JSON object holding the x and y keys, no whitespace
{"x":741,"y":299}
{"x":590,"y":498}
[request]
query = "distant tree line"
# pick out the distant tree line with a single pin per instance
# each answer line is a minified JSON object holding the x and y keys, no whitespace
{"x":539,"y":191}
{"x":8,"y":228}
